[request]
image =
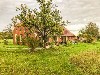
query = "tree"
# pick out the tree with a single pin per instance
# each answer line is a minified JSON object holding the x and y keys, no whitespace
{"x":46,"y":21}
{"x":7,"y":33}
{"x":90,"y":32}
{"x":1,"y":36}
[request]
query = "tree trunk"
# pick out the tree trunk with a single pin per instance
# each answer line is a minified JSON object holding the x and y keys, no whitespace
{"x":44,"y":42}
{"x":44,"y":39}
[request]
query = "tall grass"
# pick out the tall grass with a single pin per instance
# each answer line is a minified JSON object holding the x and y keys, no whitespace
{"x":53,"y":61}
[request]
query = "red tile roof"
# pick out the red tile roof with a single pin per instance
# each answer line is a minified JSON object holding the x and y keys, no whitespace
{"x":67,"y":33}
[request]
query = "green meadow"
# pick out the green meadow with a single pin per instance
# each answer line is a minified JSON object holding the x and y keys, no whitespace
{"x":76,"y":59}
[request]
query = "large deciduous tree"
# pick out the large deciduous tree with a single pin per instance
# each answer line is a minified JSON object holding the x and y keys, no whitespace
{"x":46,"y":21}
{"x":90,"y":32}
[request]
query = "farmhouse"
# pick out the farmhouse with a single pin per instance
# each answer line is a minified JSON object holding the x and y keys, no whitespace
{"x":19,"y":31}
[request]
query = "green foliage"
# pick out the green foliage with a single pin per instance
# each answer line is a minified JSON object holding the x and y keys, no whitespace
{"x":7,"y":33}
{"x":23,"y":41}
{"x":90,"y":33}
{"x":47,"y":21}
{"x":98,"y":38}
{"x":87,"y":62}
{"x":18,"y":40}
{"x":32,"y":43}
{"x":52,"y":44}
{"x":1,"y":36}
{"x":69,"y":42}
{"x":5,"y":42}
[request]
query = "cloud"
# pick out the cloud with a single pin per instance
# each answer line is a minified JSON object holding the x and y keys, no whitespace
{"x":58,"y":0}
{"x":8,"y":10}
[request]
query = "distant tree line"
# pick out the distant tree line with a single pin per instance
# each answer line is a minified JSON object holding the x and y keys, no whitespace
{"x":6,"y":33}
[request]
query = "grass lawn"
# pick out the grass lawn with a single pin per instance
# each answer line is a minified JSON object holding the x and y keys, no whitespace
{"x":16,"y":60}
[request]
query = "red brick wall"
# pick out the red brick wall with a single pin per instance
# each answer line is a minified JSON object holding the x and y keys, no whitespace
{"x":18,"y":30}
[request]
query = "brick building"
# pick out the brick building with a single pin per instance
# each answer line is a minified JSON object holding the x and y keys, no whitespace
{"x":19,"y":31}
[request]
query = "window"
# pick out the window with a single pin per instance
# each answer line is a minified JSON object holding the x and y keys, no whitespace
{"x":20,"y":37}
{"x":15,"y":38}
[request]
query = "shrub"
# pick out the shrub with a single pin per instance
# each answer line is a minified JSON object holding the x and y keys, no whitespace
{"x":69,"y":42}
{"x":32,"y":43}
{"x":88,"y":62}
{"x":89,"y":39}
{"x":23,"y":41}
{"x":5,"y":42}
{"x":52,"y":44}
{"x":18,"y":40}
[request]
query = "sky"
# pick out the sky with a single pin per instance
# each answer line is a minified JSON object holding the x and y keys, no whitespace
{"x":78,"y":12}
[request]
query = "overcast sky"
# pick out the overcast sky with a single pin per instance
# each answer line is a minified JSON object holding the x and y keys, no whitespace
{"x":78,"y":12}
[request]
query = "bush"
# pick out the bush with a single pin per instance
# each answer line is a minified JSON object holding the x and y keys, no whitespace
{"x":32,"y":43}
{"x":88,"y":63}
{"x":5,"y":42}
{"x":18,"y":40}
{"x":89,"y":39}
{"x":52,"y":44}
{"x":23,"y":41}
